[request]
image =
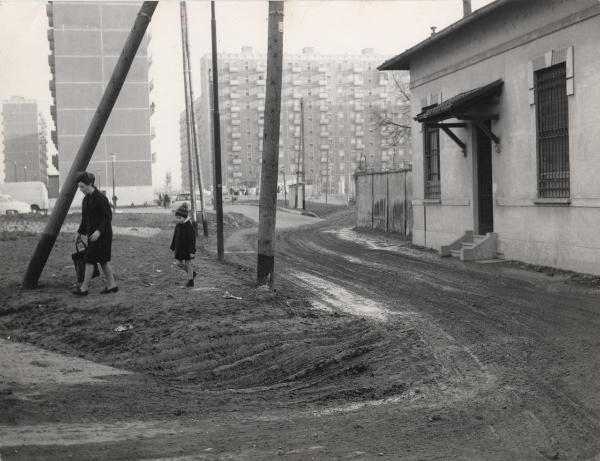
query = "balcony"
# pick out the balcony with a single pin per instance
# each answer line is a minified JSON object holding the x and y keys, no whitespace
{"x":236,"y":148}
{"x":323,"y":82}
{"x":150,"y":85}
{"x":237,"y":161}
{"x":323,"y":95}
{"x":235,"y":135}
{"x":234,"y":82}
{"x":324,"y":146}
{"x":237,"y":174}
{"x":235,"y":121}
{"x":233,"y":68}
{"x":296,"y":69}
{"x":235,"y":108}
{"x":50,"y":35}
{"x":323,"y":108}
{"x":234,"y":95}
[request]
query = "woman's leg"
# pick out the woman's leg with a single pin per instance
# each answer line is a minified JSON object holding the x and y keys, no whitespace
{"x":87,"y":277}
{"x":108,"y":274}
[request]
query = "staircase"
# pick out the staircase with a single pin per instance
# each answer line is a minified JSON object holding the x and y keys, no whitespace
{"x":471,"y":247}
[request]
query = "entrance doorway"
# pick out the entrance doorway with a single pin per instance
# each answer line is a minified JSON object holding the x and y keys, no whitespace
{"x":485,"y":198}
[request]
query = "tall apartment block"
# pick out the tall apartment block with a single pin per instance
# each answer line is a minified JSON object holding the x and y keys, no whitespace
{"x":341,"y":98}
{"x":25,"y":155}
{"x":86,"y":39}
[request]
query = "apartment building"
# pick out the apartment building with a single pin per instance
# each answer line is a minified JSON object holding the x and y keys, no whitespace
{"x":335,"y":101}
{"x":86,"y":39}
{"x":25,"y":155}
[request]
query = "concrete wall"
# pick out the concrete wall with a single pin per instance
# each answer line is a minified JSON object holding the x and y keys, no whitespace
{"x":384,"y":201}
{"x":504,"y":46}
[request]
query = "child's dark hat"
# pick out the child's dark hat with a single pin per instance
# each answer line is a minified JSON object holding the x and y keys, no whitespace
{"x":182,"y":210}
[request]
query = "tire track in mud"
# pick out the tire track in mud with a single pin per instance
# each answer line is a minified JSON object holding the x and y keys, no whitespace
{"x":508,"y":339}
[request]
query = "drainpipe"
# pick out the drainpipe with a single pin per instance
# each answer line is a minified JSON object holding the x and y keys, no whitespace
{"x":466,"y":8}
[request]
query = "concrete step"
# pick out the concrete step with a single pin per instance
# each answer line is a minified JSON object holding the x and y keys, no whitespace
{"x":455,"y":253}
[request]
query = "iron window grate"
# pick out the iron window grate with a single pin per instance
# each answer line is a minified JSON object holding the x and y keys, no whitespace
{"x":432,"y":164}
{"x":552,"y":116}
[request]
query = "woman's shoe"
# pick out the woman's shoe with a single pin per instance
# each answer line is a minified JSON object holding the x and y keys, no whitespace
{"x":107,"y":290}
{"x":79,"y":292}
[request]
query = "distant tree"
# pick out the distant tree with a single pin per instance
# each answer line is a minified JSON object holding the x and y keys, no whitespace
{"x":168,"y":181}
{"x":394,"y":123}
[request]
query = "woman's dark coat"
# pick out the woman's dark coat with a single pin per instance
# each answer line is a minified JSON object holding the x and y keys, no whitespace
{"x":184,"y":240}
{"x":96,"y":215}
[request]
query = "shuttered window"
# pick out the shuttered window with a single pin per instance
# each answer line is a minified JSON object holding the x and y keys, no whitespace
{"x":552,"y":119}
{"x":432,"y":163}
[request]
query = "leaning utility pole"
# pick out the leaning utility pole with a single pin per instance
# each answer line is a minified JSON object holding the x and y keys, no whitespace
{"x":268,"y":179}
{"x":218,"y":181}
{"x":88,"y":145}
{"x":187,"y":119}
{"x":190,"y":113}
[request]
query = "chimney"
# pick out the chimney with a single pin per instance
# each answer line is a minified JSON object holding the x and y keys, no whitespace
{"x":466,"y":8}
{"x":433,"y":30}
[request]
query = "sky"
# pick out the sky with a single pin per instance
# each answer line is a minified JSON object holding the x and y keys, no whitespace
{"x":330,"y":27}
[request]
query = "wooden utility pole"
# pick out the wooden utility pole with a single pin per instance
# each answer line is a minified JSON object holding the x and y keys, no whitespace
{"x":284,"y":189}
{"x":187,"y":117}
{"x":303,"y":152}
{"x":190,"y":113}
{"x":88,"y":145}
{"x":265,"y":271}
{"x":218,"y":181}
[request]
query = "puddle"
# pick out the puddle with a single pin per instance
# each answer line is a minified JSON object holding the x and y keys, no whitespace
{"x":334,"y":297}
{"x":25,"y":364}
{"x":381,"y":244}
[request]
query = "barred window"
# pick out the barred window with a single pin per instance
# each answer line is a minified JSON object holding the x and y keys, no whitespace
{"x":552,"y":118}
{"x":432,"y":163}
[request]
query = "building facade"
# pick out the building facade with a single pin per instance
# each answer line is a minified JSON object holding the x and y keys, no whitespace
{"x":86,"y":39}
{"x":504,"y":134}
{"x":25,"y":154}
{"x":335,"y":104}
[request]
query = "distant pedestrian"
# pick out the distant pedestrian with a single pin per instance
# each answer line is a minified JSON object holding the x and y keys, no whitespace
{"x":166,"y":201}
{"x":184,"y":243}
{"x":96,"y":217}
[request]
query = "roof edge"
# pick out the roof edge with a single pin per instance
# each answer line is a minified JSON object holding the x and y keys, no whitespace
{"x":402,"y":61}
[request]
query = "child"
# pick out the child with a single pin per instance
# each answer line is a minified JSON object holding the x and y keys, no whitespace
{"x":184,"y":243}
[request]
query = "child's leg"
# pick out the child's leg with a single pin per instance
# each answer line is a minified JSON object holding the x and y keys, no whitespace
{"x":180,"y":264}
{"x":189,"y":269}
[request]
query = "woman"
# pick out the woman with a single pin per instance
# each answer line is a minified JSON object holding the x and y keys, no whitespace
{"x":96,"y":217}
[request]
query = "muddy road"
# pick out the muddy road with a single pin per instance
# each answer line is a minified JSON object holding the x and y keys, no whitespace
{"x":510,"y":356}
{"x":369,"y":349}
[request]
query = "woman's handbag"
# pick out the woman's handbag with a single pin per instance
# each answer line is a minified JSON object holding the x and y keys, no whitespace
{"x":78,"y":260}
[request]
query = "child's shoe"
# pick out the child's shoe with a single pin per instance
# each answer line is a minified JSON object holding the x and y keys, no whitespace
{"x":190,"y":283}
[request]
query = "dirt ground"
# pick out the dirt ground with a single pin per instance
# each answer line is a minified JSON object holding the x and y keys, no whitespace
{"x":369,"y":348}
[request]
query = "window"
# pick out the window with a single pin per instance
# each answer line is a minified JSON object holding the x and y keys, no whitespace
{"x":552,"y":120}
{"x":432,"y":163}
